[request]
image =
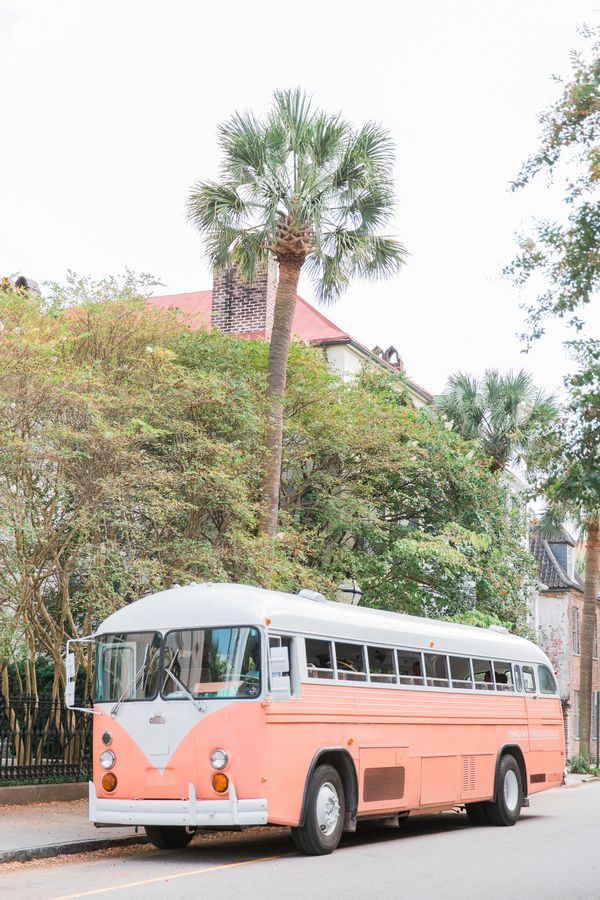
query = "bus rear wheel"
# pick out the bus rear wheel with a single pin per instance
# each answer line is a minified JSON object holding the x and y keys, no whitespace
{"x":325,"y":811}
{"x":169,"y":837}
{"x":506,"y":808}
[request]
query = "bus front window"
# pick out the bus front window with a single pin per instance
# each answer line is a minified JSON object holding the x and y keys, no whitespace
{"x":212,"y":662}
{"x":127,"y":666}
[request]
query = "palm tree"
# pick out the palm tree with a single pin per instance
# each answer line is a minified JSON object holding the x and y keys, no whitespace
{"x":506,"y":414}
{"x":312,"y":191}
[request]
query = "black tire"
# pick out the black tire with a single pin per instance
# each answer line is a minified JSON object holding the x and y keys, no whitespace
{"x":314,"y":838}
{"x":506,"y":808}
{"x":477,"y":813}
{"x":169,"y":837}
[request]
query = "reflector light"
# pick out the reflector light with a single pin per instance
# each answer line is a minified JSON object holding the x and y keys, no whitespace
{"x":109,"y":782}
{"x":220,"y":782}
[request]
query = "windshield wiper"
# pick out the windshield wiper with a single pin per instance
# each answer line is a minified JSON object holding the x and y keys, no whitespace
{"x":200,"y":706}
{"x":133,"y":684}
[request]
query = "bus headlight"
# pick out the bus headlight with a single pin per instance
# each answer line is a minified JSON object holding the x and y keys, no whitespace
{"x":107,"y":759}
{"x":219,"y":759}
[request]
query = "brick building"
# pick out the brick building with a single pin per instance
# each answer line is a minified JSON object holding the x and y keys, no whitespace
{"x":557,"y":609}
{"x":246,"y":310}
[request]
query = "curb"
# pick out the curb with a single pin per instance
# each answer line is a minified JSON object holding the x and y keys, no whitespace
{"x":22,"y":794}
{"x":47,"y":851}
{"x":577,"y":784}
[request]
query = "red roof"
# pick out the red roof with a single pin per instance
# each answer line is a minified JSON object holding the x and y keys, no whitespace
{"x":195,"y":307}
{"x":308,"y":325}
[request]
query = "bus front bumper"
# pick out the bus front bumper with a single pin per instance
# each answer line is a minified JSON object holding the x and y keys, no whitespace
{"x":192,"y":812}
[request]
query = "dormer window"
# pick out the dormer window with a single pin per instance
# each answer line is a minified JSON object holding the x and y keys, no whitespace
{"x":570,"y":561}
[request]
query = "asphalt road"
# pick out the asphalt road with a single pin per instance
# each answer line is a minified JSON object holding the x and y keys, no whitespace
{"x":552,"y":853}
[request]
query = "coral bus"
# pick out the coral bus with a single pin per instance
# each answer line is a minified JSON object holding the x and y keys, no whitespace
{"x":223,"y":706}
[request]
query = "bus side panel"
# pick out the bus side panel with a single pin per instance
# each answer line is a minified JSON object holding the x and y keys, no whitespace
{"x":297,"y":730}
{"x":389,"y":778}
{"x":546,"y":759}
{"x":454,"y":735}
{"x":446,"y":742}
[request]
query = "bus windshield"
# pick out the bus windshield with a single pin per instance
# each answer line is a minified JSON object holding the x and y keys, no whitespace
{"x":127,"y":666}
{"x":212,"y":662}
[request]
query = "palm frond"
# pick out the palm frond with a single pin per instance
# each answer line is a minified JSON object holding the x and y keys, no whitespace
{"x":242,"y":141}
{"x":312,"y":171}
{"x":505,"y":412}
{"x":212,"y":205}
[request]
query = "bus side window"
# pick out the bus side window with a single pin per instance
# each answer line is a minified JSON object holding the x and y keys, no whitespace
{"x":518,"y":679}
{"x":410,"y":669}
{"x":319,"y":658}
{"x":503,"y":676}
{"x":460,"y":672}
{"x":436,"y":670}
{"x":482,"y":673}
{"x":381,"y":665}
{"x":529,"y":679}
{"x":546,"y":680}
{"x":350,"y":662}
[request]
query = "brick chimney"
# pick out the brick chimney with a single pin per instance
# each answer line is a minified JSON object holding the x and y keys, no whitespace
{"x":240,"y":307}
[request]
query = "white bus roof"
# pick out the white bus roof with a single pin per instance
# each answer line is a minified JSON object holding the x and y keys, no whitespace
{"x":211,"y":604}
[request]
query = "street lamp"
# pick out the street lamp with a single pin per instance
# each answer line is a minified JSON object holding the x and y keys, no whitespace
{"x":349,"y":592}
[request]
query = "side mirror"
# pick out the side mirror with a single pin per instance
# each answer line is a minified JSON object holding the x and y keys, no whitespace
{"x":69,"y":679}
{"x":281,"y":687}
{"x":280,"y":660}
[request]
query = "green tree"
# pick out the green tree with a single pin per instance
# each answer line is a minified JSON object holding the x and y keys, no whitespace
{"x":564,"y":255}
{"x":572,"y":487}
{"x":130,"y":452}
{"x":506,"y":414}
{"x":314,"y":192}
{"x":386,"y":493}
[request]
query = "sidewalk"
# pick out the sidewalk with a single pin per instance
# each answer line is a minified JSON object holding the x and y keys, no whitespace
{"x":40,"y":830}
{"x":575,"y":780}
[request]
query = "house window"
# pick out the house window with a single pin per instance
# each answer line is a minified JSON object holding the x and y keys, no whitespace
{"x":570,"y":562}
{"x":576,"y":715}
{"x":575,"y":632}
{"x":595,"y":640}
{"x":594,"y":716}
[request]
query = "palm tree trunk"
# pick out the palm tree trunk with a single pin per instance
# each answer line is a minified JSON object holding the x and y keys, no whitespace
{"x":285,"y":305}
{"x":588,"y":626}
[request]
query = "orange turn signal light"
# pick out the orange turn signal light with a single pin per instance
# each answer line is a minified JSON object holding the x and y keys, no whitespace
{"x":109,"y":782}
{"x":220,"y":782}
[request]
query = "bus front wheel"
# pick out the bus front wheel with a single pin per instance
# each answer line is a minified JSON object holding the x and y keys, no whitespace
{"x":169,"y":837}
{"x":325,"y":811}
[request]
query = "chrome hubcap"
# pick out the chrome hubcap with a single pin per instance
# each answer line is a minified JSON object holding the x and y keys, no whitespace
{"x":328,"y":808}
{"x":511,"y":790}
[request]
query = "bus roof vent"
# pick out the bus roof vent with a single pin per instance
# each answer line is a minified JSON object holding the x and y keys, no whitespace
{"x":499,"y":628}
{"x":312,"y":595}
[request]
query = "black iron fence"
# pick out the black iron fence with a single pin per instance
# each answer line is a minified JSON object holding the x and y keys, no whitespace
{"x":42,"y":740}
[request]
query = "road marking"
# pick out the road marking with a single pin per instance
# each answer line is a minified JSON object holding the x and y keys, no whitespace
{"x":189,"y":874}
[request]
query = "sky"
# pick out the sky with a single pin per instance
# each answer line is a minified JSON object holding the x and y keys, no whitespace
{"x":110,"y":111}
